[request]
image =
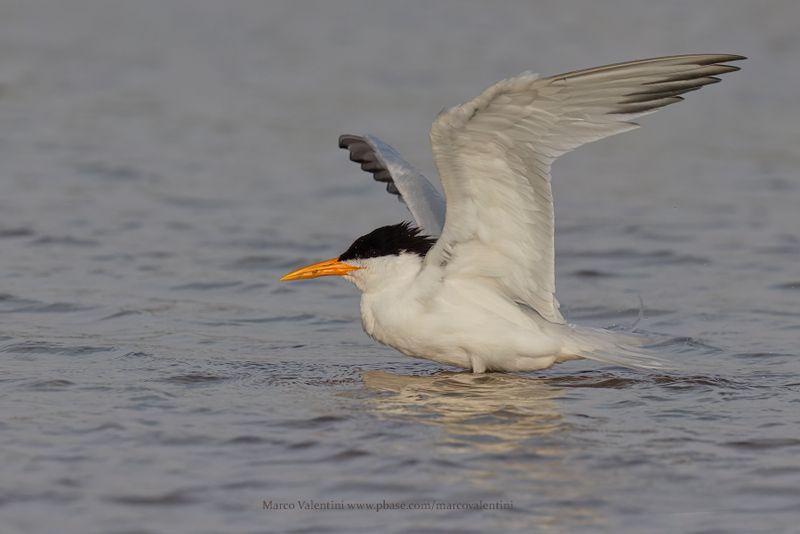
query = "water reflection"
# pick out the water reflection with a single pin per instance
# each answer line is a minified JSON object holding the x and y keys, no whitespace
{"x":499,"y":430}
{"x":491,"y":412}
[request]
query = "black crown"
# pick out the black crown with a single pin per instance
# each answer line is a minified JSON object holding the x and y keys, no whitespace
{"x":389,"y":241}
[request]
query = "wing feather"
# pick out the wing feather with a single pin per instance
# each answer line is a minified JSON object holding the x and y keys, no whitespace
{"x":421,"y":198}
{"x":494,"y":155}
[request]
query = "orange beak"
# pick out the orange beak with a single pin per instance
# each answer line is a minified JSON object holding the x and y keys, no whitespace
{"x":331,"y":267}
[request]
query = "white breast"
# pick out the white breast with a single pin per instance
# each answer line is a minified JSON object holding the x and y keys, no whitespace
{"x":460,"y":326}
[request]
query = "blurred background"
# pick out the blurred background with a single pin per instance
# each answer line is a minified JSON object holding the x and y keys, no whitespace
{"x":162,"y":162}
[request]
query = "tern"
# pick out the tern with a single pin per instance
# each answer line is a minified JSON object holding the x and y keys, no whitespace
{"x":472,"y":284}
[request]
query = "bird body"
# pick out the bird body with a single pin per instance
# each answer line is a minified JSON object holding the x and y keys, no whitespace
{"x":456,"y":322}
{"x":481,"y":296}
{"x":464,"y":323}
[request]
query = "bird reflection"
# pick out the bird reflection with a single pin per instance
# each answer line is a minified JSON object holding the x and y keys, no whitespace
{"x":491,"y":412}
{"x":512,"y":422}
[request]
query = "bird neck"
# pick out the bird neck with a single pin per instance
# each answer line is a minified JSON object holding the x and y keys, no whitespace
{"x":387,"y":274}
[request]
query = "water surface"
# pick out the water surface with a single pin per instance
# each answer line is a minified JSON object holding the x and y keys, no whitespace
{"x":163,"y":163}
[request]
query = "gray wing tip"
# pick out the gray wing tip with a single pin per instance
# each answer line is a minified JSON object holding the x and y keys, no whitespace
{"x":698,"y":60}
{"x":666,"y":91}
{"x":701,"y":59}
{"x":729,"y":57}
{"x":363,"y":152}
{"x":345,"y":140}
{"x":709,"y":59}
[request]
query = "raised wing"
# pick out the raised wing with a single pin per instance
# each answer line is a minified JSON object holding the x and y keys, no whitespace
{"x":494,"y":155}
{"x":421,"y":198}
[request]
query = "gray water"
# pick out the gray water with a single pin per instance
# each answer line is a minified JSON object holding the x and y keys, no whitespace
{"x":162,"y":163}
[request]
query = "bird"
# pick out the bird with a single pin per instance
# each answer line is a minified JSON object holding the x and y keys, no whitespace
{"x":472,"y":283}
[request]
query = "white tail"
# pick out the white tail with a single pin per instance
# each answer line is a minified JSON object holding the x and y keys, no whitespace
{"x":616,"y":348}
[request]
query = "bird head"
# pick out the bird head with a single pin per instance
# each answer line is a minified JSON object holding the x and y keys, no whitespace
{"x":374,"y":260}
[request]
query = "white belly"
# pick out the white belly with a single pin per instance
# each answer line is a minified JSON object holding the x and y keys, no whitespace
{"x":491,"y":334}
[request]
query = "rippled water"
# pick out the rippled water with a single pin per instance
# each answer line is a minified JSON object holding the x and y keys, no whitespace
{"x":162,"y":163}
